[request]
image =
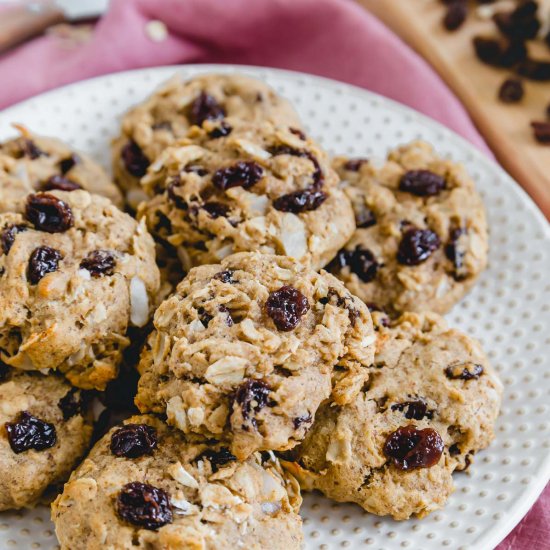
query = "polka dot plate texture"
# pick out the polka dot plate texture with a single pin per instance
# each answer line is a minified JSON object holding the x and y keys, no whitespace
{"x":508,"y":310}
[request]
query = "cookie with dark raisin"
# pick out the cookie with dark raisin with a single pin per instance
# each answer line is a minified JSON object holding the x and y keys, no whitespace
{"x":31,"y":163}
{"x":217,"y":102}
{"x":430,"y":403}
{"x":184,"y":493}
{"x":245,"y":351}
{"x":261,"y":188}
{"x":46,"y":427}
{"x":421,"y":239}
{"x":78,"y":275}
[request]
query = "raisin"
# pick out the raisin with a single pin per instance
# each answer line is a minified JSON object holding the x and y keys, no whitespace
{"x":99,"y":263}
{"x":499,"y":53}
{"x":413,"y":410}
{"x":362,"y":262}
{"x":364,"y":217}
{"x":422,"y":183}
{"x":217,"y":458}
{"x":228,"y":318}
{"x":59,"y":183}
{"x":29,"y":432}
{"x":242,"y":174}
{"x":252,"y":396}
{"x":144,"y":505}
{"x":454,"y":254}
{"x":511,"y":90}
{"x":416,"y":246}
{"x":454,"y":450}
{"x":134,"y":440}
{"x":409,"y":448}
{"x":173,"y":196}
{"x":7,"y":237}
{"x":216,"y":209}
{"x":286,"y":306}
{"x":354,"y":165}
{"x":464,"y":371}
{"x":135,"y":161}
{"x":222,"y":130}
{"x":72,"y":403}
{"x":298,"y":132}
{"x":48,"y":213}
{"x":318,"y":176}
{"x":68,"y":163}
{"x":534,"y":69}
{"x":300,"y":201}
{"x":31,"y":150}
{"x":204,"y":316}
{"x":205,"y":107}
{"x":304,"y":419}
{"x":43,"y":260}
{"x":520,"y":23}
{"x":541,"y":131}
{"x":225,"y":276}
{"x":456,"y":15}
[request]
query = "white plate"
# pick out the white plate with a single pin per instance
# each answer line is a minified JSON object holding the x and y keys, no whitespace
{"x":509,"y":310}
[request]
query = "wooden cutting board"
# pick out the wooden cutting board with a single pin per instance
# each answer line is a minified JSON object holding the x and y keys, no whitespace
{"x":505,"y":127}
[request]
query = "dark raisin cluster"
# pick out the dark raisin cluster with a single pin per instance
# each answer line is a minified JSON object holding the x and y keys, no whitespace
{"x":134,"y":440}
{"x":252,"y":397}
{"x":48,"y":213}
{"x":144,"y":505}
{"x":509,"y":50}
{"x":416,"y":246}
{"x":134,"y":159}
{"x":243,"y":174}
{"x":286,"y":306}
{"x":205,"y":107}
{"x":99,"y":263}
{"x":43,"y":260}
{"x":409,"y":448}
{"x":28,"y":432}
{"x":217,"y":458}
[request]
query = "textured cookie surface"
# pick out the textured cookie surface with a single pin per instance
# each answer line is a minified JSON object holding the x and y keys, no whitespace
{"x":421,"y":238}
{"x":146,"y":486}
{"x":44,"y":430}
{"x":75,"y":272}
{"x":167,"y":114}
{"x":260,"y":188}
{"x":246,"y":351}
{"x":430,"y":403}
{"x":36,"y":163}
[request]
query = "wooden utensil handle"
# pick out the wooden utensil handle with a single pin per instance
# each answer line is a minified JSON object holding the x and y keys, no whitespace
{"x":21,"y":22}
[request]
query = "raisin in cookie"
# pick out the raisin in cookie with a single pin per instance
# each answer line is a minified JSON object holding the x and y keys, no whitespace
{"x":168,"y":113}
{"x":245,"y":351}
{"x":75,"y":272}
{"x":145,"y":485}
{"x":421,"y":239}
{"x":430,"y":403}
{"x":35,"y":163}
{"x":260,"y":188}
{"x":45,"y":428}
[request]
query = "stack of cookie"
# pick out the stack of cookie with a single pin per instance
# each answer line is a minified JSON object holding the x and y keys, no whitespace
{"x":296,"y":335}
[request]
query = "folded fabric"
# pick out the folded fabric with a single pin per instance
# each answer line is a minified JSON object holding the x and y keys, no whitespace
{"x":332,"y":38}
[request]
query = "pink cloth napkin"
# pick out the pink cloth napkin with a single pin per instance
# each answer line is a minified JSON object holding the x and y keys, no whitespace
{"x":333,"y":38}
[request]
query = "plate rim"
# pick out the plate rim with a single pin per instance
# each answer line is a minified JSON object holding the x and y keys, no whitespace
{"x":494,"y":536}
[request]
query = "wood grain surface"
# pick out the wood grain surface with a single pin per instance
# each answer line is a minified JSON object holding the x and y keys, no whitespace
{"x":505,"y":127}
